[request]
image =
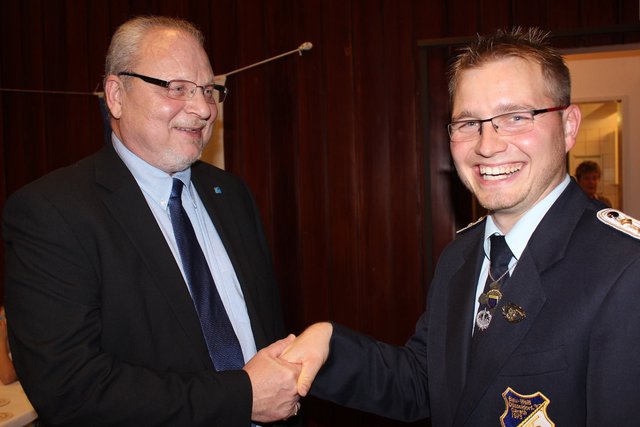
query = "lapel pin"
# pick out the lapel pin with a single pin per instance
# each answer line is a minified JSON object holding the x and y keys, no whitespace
{"x":513,"y":313}
{"x":217,"y":190}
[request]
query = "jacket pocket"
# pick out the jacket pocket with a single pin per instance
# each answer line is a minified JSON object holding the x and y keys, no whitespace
{"x":535,"y":363}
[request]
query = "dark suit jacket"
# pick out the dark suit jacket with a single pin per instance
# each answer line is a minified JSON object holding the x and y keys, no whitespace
{"x":578,"y":281}
{"x":103,"y":330}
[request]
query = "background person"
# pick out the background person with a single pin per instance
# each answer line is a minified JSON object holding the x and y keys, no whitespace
{"x":588,"y":174}
{"x":99,"y":290}
{"x":554,"y":337}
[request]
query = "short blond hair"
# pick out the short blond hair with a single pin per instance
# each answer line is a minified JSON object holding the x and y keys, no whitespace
{"x":531,"y":44}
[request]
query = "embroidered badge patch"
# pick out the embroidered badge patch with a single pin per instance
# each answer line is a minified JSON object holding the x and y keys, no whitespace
{"x":525,"y":410}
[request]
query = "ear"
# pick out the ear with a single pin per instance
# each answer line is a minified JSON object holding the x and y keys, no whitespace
{"x":571,"y":118}
{"x":113,"y":93}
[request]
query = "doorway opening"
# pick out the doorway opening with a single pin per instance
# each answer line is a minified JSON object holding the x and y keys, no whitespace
{"x":600,"y":140}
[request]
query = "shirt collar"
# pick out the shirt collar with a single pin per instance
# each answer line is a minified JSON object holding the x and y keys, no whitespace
{"x":518,"y":237}
{"x":155,"y":183}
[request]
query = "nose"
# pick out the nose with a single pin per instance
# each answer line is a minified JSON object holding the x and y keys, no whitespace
{"x":489,"y":142}
{"x":198,"y":105}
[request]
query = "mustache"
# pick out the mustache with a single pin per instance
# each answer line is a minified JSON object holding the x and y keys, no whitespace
{"x":194,"y":124}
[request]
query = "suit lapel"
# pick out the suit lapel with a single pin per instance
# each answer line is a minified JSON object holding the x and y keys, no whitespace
{"x":127,"y":205}
{"x":221,"y":202}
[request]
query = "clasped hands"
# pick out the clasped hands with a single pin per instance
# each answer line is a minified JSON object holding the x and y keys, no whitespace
{"x":284,"y":371}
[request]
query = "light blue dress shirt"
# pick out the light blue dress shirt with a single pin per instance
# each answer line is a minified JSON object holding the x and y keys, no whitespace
{"x":517,"y":238}
{"x":156,"y":187}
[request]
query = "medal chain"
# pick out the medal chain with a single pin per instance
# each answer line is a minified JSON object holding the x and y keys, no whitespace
{"x":485,"y":315}
{"x":503,"y":274}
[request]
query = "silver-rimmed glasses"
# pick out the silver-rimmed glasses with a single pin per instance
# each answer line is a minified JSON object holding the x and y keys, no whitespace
{"x":184,"y":90}
{"x":515,"y":123}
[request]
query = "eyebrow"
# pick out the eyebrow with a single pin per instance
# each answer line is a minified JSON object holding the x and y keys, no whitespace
{"x":209,"y":82}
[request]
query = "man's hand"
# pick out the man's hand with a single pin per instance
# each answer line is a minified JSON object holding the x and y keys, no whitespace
{"x":311,"y":350}
{"x":273,"y":380}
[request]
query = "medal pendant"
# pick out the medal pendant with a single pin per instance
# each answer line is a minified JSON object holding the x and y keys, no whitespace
{"x":513,"y":313}
{"x":483,"y":319}
{"x":493,"y":298}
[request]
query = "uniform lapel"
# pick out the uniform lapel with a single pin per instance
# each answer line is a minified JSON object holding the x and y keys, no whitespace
{"x":545,"y":248}
{"x":459,"y":320}
{"x":126,"y":203}
{"x":502,"y":338}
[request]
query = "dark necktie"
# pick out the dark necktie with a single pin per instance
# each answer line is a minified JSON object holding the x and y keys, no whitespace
{"x":223,"y":345}
{"x":499,"y":258}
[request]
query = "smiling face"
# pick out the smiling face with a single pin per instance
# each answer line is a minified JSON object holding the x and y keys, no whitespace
{"x":167,"y":133}
{"x":589,"y":182}
{"x":510,"y":174}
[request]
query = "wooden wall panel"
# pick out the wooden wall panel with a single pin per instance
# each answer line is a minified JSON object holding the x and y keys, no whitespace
{"x":628,"y":15}
{"x":24,"y":148}
{"x":559,"y":18}
{"x":284,"y":163}
{"x":592,"y":14}
{"x":309,"y":294}
{"x":98,"y":34}
{"x":527,"y":14}
{"x":250,"y":153}
{"x":56,"y":75}
{"x":493,"y":14}
{"x":221,"y":41}
{"x":430,"y":20}
{"x":405,"y":291}
{"x":344,"y":202}
{"x":372,"y":148}
{"x":461,"y":17}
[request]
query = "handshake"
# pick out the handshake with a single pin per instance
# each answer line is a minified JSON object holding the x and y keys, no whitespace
{"x":283,"y":372}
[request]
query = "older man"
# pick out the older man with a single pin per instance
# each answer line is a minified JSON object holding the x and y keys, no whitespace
{"x":524,"y":326}
{"x":139,"y":281}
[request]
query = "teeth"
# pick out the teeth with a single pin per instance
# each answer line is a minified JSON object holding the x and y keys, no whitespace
{"x":498,"y":172}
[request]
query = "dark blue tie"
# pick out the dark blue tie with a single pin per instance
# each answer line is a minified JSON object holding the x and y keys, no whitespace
{"x":500,"y":256}
{"x":223,"y":345}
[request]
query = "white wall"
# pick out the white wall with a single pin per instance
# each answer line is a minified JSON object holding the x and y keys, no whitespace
{"x":609,"y":76}
{"x":598,"y":141}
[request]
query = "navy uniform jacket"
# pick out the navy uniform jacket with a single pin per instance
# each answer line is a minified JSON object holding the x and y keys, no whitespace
{"x":578,"y":281}
{"x":103,"y":330}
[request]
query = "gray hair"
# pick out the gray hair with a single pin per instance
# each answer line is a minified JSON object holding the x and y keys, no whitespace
{"x":125,"y":43}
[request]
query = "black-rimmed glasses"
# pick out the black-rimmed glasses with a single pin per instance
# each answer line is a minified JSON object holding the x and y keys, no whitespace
{"x":184,"y":90}
{"x":515,"y":123}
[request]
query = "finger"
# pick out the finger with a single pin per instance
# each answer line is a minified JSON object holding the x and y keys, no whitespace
{"x":306,"y":377}
{"x":276,"y":349}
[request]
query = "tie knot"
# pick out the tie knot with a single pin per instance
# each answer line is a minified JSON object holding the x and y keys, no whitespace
{"x":176,"y":190}
{"x":500,"y":253}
